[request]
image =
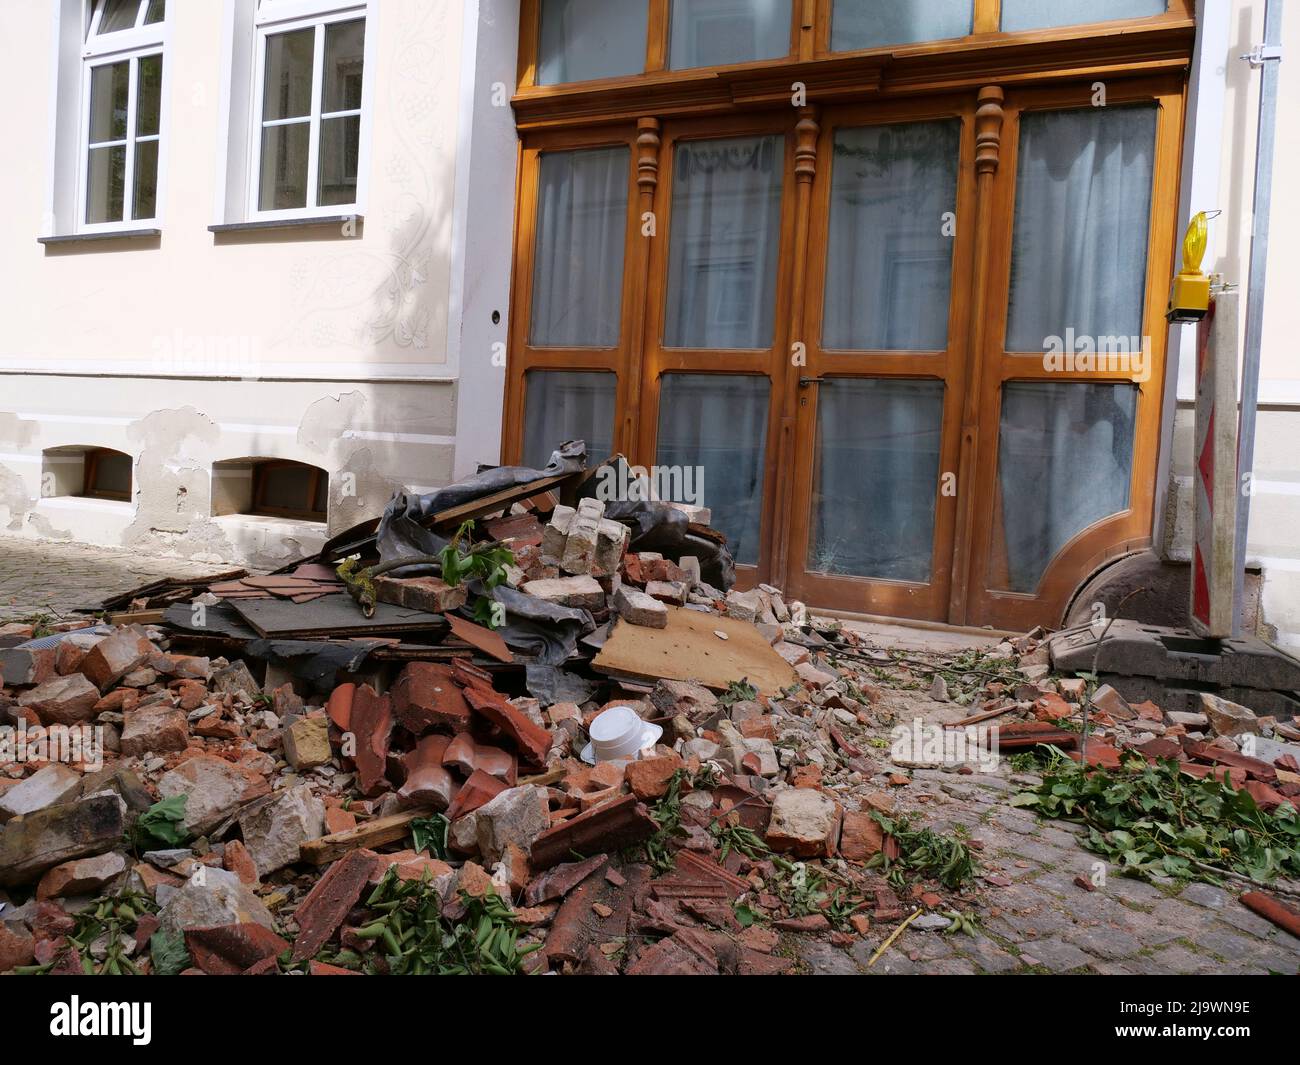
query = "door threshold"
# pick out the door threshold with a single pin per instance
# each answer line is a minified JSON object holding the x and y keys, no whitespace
{"x":914,"y":635}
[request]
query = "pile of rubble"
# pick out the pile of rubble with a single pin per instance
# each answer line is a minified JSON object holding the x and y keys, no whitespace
{"x":253,"y":776}
{"x":1222,"y":739}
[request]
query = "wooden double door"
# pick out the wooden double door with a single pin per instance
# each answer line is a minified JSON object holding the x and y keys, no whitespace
{"x":910,"y":352}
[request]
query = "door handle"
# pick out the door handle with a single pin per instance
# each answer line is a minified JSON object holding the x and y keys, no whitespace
{"x":804,"y":382}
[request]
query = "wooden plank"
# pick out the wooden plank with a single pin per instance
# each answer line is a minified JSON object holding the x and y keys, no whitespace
{"x":983,"y":715}
{"x":689,"y":649}
{"x":477,"y":508}
{"x":371,"y":834}
{"x":137,"y":617}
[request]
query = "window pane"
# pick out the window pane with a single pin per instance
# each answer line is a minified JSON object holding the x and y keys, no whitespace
{"x":876,"y":478}
{"x":156,"y":13}
{"x":708,"y":33}
{"x":106,"y":184}
{"x":857,"y":24}
{"x":339,"y":141}
{"x":1083,"y":201}
{"x":286,"y":487}
{"x":288,"y":74}
{"x":586,"y":39}
{"x":345,"y":48}
{"x":112,"y":474}
{"x":719,"y":422}
{"x":110,"y":85}
{"x":581,"y":232}
{"x":1064,"y":442}
{"x":119,"y":15}
{"x":284,"y":167}
{"x":726,"y":234}
{"x":562,"y":405}
{"x":145,"y":196}
{"x":148,"y":104}
{"x":1041,"y":14}
{"x":889,"y":254}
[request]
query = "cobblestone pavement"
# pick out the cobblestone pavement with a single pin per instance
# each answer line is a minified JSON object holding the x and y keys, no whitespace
{"x":46,"y":577}
{"x":1043,"y":922}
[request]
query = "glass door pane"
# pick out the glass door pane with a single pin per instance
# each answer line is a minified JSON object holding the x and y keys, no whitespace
{"x":1083,"y":203}
{"x":586,"y":39}
{"x":889,"y":253}
{"x":718,"y":423}
{"x":876,"y":478}
{"x":858,"y":24}
{"x":715,"y":33}
{"x":1043,"y":14}
{"x":562,"y":405}
{"x":577,"y":297}
{"x":724,"y":243}
{"x":1065,"y":462}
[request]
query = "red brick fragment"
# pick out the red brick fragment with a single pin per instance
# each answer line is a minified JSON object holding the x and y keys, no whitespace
{"x":327,"y":904}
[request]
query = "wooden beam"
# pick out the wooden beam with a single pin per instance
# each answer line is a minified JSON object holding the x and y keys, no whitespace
{"x":371,"y":834}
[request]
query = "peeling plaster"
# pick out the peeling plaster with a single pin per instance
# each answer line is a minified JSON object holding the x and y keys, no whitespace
{"x":358,"y":489}
{"x":174,"y":507}
{"x":15,"y":503}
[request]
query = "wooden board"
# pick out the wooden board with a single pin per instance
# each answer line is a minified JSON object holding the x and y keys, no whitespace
{"x":370,"y":834}
{"x":689,"y":649}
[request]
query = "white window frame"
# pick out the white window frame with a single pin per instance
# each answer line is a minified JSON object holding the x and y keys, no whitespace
{"x":98,"y":50}
{"x":275,"y":17}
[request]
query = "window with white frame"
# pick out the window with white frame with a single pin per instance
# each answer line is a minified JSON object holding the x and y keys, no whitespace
{"x":309,"y":88}
{"x":121,"y":128}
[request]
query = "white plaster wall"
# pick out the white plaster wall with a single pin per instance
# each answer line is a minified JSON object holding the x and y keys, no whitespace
{"x":313,"y":346}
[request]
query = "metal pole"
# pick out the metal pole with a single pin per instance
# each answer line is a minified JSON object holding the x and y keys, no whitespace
{"x":1267,"y":59}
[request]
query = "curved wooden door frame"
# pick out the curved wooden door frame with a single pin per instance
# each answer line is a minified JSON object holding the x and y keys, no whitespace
{"x":1130,"y":528}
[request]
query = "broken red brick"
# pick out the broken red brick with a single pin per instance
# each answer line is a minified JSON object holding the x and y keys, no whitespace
{"x":425,"y":697}
{"x":610,"y":827}
{"x":428,"y":783}
{"x":339,"y":706}
{"x":532,"y":740}
{"x":372,"y":722}
{"x":649,"y":777}
{"x":327,"y":904}
{"x":236,"y":859}
{"x":228,"y":950}
{"x":480,"y":789}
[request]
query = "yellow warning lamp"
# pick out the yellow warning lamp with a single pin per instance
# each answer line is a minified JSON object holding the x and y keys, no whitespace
{"x":1189,"y":296}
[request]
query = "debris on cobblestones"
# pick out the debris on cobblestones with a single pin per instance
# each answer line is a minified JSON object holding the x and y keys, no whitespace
{"x":405,"y":791}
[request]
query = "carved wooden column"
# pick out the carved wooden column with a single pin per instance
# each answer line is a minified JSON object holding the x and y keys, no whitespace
{"x":807,"y":130}
{"x":647,"y":183}
{"x":988,"y":153}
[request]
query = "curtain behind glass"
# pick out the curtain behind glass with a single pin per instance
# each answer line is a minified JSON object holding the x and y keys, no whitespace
{"x":857,"y":24}
{"x":581,"y":231}
{"x":562,"y":405}
{"x":876,"y":478}
{"x":1066,"y":461}
{"x":725,"y":238}
{"x":888,"y":260}
{"x":1042,"y":14}
{"x":1083,"y":203}
{"x":586,"y":39}
{"x":719,"y":422}
{"x":714,"y":33}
